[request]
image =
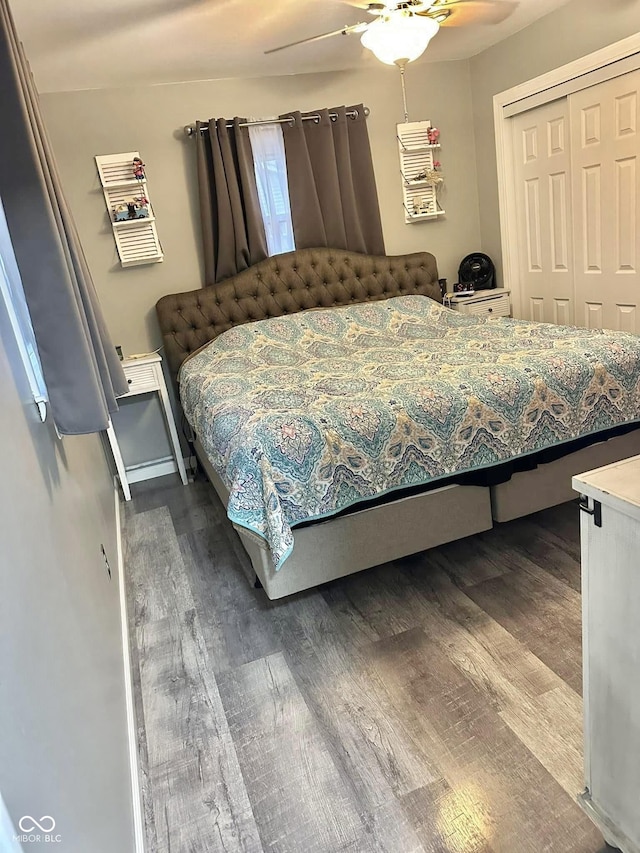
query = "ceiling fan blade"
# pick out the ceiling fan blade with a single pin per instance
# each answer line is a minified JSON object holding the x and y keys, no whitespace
{"x":464,"y":12}
{"x":354,"y":28}
{"x":374,"y":8}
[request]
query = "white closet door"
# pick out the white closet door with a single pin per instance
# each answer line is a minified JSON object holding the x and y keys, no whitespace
{"x":605,"y":147}
{"x":542,"y":157}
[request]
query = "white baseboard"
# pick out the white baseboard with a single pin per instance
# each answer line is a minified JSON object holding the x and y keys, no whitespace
{"x":132,"y":729}
{"x":155,"y":468}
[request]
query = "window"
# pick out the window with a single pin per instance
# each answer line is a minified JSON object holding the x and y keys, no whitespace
{"x":13,"y":295}
{"x":270,"y":169}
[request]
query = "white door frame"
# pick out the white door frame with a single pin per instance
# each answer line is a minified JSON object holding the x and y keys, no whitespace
{"x":545,"y":87}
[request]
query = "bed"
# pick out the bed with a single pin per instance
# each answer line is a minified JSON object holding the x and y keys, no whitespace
{"x":368,"y":424}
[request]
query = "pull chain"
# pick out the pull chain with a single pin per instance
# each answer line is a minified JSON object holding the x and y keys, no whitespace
{"x":402,"y":64}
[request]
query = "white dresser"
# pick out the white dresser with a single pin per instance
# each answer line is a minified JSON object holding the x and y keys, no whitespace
{"x":489,"y":303}
{"x":610,"y":540}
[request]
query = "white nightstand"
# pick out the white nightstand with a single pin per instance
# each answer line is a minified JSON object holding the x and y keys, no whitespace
{"x":489,"y":303}
{"x":144,"y":375}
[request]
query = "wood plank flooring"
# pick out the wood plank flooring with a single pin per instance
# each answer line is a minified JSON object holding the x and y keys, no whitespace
{"x":426,"y":706}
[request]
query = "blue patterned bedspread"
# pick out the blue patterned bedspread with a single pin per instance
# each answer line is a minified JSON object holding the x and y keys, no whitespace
{"x":305,"y":415}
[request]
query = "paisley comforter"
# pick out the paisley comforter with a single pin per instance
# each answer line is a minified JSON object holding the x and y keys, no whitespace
{"x":305,"y":415}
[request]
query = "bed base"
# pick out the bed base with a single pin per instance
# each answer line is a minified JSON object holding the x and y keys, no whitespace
{"x":550,"y":484}
{"x":341,"y":546}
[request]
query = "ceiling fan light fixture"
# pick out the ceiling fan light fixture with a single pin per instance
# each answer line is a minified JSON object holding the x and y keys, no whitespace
{"x":398,"y":36}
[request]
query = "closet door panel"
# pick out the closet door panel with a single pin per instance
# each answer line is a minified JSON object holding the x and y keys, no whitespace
{"x":605,"y":146}
{"x":541,"y":142}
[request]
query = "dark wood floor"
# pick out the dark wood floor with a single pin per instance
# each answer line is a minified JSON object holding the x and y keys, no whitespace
{"x":428,"y":705}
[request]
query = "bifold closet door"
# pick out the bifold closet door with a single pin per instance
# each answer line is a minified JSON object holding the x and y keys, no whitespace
{"x":542,"y":165}
{"x":605,"y":148}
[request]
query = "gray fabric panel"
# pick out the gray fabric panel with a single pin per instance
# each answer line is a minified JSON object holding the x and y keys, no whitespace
{"x":332,"y":186}
{"x":80,"y":365}
{"x":233,"y":236}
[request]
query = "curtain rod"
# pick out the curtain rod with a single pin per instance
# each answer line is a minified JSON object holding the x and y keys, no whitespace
{"x":190,"y":128}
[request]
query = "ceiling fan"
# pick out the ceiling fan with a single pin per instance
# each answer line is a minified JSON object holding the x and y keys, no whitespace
{"x":401,"y":31}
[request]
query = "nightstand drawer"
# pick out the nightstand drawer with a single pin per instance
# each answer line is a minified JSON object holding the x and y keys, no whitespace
{"x":479,"y":305}
{"x":499,"y":307}
{"x":141,"y":378}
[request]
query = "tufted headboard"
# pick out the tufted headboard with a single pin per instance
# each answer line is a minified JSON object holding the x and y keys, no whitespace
{"x":286,"y":284}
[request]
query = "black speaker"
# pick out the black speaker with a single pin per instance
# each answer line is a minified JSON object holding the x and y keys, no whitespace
{"x":478,"y":271}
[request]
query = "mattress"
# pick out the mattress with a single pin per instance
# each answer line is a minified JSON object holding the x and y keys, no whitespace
{"x":306,"y":415}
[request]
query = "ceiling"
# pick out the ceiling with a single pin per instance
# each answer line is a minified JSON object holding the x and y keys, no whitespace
{"x":112,"y":43}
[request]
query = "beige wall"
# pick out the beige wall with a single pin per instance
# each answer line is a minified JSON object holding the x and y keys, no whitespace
{"x":63,"y":749}
{"x":574,"y":30}
{"x":149,"y":119}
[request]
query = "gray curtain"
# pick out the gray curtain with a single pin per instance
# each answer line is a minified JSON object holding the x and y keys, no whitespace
{"x":332,"y":187}
{"x":233,"y":236}
{"x":80,"y":365}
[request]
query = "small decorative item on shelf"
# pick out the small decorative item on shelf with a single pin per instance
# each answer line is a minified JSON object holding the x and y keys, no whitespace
{"x":432,"y":176}
{"x":138,"y":169}
{"x":422,"y":205}
{"x":433,"y":135}
{"x":131,"y":208}
{"x":141,"y":207}
{"x":120,"y":213}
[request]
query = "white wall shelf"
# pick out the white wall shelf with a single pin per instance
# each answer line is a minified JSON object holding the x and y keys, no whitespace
{"x":418,"y":217}
{"x":419,"y":149}
{"x":125,"y":223}
{"x":136,"y":239}
{"x":418,"y":183}
{"x":420,"y":195}
{"x":134,"y":182}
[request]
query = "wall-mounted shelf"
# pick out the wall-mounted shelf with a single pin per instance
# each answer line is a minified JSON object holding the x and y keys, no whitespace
{"x":127,"y":223}
{"x":420,"y":197}
{"x":117,"y":184}
{"x":420,"y":183}
{"x":418,"y":217}
{"x":418,"y":149}
{"x":136,"y":239}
